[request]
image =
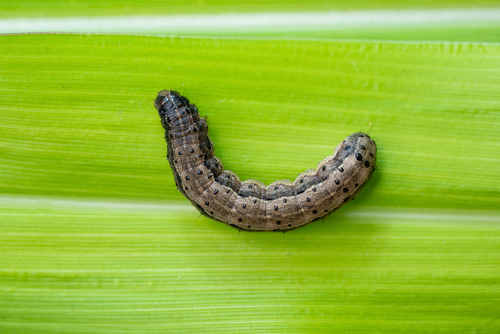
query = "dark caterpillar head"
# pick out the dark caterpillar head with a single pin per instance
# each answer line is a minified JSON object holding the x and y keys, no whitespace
{"x":169,"y":100}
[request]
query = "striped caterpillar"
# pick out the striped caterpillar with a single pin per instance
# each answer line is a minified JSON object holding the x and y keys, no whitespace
{"x":250,"y":205}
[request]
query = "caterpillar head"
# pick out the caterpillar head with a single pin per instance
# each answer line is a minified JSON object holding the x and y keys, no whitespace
{"x":168,"y":100}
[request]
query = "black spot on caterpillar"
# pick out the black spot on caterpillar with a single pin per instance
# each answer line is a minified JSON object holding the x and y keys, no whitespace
{"x":250,"y":205}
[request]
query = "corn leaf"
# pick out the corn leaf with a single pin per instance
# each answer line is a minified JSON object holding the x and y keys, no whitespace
{"x":94,"y":236}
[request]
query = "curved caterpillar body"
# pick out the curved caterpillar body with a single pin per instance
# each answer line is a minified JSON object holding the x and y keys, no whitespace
{"x":250,"y":205}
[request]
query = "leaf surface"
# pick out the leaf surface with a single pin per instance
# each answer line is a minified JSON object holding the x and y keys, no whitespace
{"x":94,"y":236}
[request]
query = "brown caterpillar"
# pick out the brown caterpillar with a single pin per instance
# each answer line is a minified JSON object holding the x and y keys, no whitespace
{"x":250,"y":205}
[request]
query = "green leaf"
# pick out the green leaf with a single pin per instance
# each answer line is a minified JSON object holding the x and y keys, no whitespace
{"x":465,"y":32}
{"x":72,"y":8}
{"x":436,"y":20}
{"x":94,"y":236}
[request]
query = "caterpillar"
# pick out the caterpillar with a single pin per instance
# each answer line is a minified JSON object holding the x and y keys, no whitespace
{"x":251,"y":205}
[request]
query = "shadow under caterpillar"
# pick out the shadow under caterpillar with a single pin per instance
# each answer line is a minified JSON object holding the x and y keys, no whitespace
{"x":251,"y":205}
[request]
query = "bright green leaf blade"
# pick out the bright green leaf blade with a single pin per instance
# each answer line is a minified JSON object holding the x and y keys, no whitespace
{"x":449,"y":24}
{"x":466,"y":32}
{"x":37,"y":8}
{"x":450,"y":20}
{"x":77,"y":116}
{"x":85,"y":267}
{"x":122,"y":251}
